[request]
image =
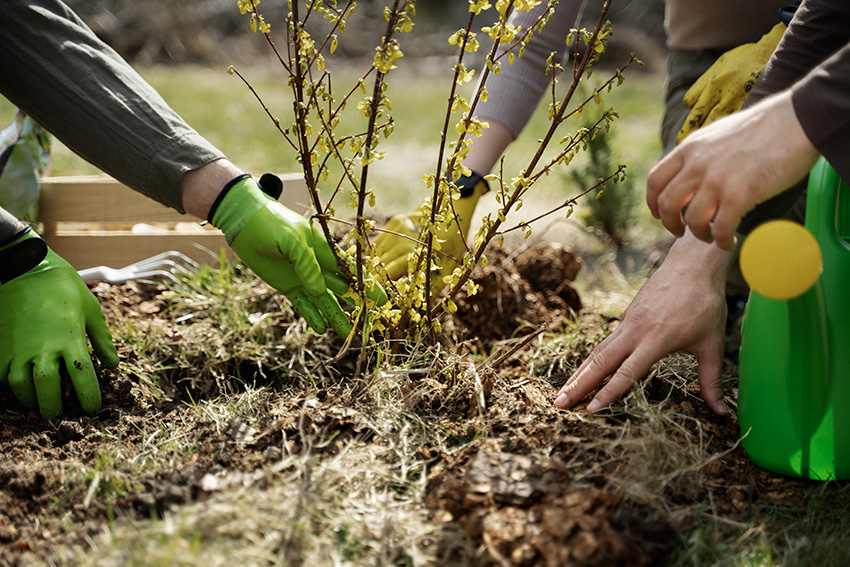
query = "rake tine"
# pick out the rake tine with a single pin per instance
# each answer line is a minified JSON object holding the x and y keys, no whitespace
{"x":162,"y":265}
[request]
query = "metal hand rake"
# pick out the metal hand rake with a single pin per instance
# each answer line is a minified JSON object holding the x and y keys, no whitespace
{"x":163,"y":265}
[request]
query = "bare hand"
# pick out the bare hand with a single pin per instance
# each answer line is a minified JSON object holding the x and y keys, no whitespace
{"x":681,"y":308}
{"x":724,"y":170}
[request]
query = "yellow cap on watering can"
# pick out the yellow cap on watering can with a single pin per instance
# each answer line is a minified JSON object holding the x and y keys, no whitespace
{"x":781,"y":260}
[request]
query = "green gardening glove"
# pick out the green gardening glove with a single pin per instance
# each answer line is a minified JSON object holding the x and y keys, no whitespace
{"x":283,"y":249}
{"x":395,"y":249}
{"x":46,"y":313}
{"x":721,"y":90}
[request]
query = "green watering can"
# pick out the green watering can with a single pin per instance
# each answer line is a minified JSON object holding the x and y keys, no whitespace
{"x":794,"y":367}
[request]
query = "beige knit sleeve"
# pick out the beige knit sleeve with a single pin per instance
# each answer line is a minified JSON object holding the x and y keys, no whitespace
{"x":514,"y":93}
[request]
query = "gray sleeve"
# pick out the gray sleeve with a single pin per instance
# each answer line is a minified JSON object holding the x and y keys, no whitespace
{"x":8,"y":224}
{"x":54,"y":68}
{"x":514,"y":93}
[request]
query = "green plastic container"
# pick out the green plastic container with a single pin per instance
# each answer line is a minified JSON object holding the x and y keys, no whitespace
{"x":794,"y":387}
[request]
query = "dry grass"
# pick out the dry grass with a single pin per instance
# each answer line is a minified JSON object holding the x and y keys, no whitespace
{"x":328,"y":502}
{"x":357,"y":507}
{"x":296,"y":464}
{"x":665,"y":447}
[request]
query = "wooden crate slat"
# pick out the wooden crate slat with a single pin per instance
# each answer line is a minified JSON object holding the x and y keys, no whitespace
{"x":117,"y":250}
{"x":107,"y":209}
{"x":99,"y":200}
{"x":103,"y":199}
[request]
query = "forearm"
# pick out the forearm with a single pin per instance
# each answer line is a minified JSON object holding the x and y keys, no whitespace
{"x":54,"y":68}
{"x":710,"y":262}
{"x":200,"y":187}
{"x":488,"y":148}
{"x":813,"y":59}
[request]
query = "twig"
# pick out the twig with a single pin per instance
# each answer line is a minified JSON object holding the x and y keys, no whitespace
{"x":516,"y":348}
{"x":568,"y":203}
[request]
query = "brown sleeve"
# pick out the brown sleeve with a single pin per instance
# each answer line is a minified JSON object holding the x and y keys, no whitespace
{"x":822,"y":103}
{"x":819,"y":30}
{"x":813,"y":59}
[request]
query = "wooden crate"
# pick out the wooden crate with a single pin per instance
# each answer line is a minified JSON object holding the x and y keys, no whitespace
{"x":97,"y":221}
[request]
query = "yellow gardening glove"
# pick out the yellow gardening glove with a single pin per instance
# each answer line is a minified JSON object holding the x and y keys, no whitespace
{"x":721,"y":90}
{"x":394,"y":250}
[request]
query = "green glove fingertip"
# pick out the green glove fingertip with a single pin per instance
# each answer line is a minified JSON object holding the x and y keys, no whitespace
{"x":336,"y":284}
{"x":100,"y":337}
{"x":106,"y":352}
{"x":330,"y":308}
{"x":83,"y":376}
{"x":20,"y":381}
{"x":48,"y":387}
{"x":305,"y":306}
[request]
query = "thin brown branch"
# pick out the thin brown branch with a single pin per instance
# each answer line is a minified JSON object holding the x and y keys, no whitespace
{"x":516,"y":348}
{"x":571,"y":202}
{"x":285,"y":132}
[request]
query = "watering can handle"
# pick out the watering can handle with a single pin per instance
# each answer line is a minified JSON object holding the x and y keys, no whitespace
{"x":822,"y":217}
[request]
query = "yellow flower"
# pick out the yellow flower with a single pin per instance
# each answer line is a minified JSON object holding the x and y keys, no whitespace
{"x":476,"y":6}
{"x":525,"y":5}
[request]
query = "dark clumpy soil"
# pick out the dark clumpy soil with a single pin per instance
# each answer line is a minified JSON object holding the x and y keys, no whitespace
{"x":526,"y":483}
{"x":520,"y":293}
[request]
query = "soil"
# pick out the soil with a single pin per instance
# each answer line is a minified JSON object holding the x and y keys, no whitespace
{"x":526,"y":483}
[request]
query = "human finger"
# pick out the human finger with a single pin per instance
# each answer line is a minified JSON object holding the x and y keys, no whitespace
{"x":598,"y":367}
{"x":597,"y":351}
{"x":671,"y":208}
{"x":632,"y":369}
{"x":659,"y":178}
{"x":710,"y":365}
{"x":724,"y":226}
{"x":698,"y":214}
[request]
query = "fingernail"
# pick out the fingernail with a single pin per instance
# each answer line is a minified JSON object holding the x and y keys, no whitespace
{"x":721,"y":407}
{"x":561,"y":401}
{"x":593,"y":405}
